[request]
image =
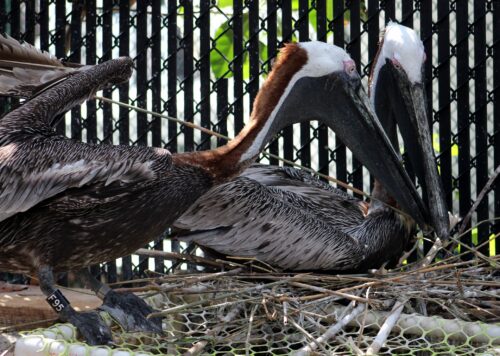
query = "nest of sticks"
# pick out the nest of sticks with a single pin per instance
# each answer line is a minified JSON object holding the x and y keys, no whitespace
{"x":451,"y":304}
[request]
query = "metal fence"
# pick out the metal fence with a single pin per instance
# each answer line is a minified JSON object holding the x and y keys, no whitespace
{"x":203,"y":61}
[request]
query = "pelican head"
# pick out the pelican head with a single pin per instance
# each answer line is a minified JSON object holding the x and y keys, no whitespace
{"x":398,"y":95}
{"x":325,"y":86}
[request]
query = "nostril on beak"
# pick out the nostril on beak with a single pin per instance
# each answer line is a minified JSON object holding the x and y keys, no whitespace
{"x":349,"y":66}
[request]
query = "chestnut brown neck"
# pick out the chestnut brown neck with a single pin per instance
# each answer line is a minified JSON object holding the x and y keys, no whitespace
{"x":228,"y":161}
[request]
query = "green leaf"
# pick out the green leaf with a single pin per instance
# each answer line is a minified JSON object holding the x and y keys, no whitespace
{"x":223,"y":52}
{"x":224,"y":3}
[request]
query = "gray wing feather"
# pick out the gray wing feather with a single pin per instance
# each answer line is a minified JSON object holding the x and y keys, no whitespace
{"x":26,"y":70}
{"x":33,"y":172}
{"x":285,"y":221}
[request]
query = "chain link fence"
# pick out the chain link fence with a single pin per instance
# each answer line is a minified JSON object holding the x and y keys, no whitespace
{"x":203,"y":61}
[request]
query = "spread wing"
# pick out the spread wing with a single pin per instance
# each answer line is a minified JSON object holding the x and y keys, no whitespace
{"x":35,"y":170}
{"x":26,"y":70}
{"x":271,"y":214}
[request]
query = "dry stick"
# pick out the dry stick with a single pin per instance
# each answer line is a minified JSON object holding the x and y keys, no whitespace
{"x":480,"y":197}
{"x":249,"y":332}
{"x":180,"y":256}
{"x":307,"y":350}
{"x":308,"y":336}
{"x":197,"y":348}
{"x":329,"y":291}
{"x":386,"y":328}
{"x":179,"y":308}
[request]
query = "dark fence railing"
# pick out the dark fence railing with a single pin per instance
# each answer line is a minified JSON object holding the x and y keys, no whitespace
{"x":203,"y":61}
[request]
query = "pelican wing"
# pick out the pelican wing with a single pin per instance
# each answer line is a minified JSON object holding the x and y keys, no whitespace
{"x":26,"y":70}
{"x":33,"y":171}
{"x":270,"y":220}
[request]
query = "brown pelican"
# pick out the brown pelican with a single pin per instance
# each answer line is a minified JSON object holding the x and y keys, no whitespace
{"x":284,"y":217}
{"x":65,"y":205}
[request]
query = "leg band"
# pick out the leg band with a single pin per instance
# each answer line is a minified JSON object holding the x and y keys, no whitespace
{"x":57,"y":301}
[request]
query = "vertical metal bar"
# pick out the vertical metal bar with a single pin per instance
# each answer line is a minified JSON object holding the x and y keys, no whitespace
{"x":156,"y":102}
{"x":407,"y":18}
{"x":444,"y":117}
{"x":354,"y":49}
{"x":43,"y":17}
{"x":481,"y":122}
{"x":123,"y":112}
{"x":222,"y":109}
{"x":29,"y":21}
{"x":107,"y":45}
{"x":426,"y":36}
{"x":15,"y":31}
{"x":107,"y":53}
{"x":272,"y":48}
{"x":60,"y":37}
{"x":15,"y":18}
{"x":238,"y":64}
{"x":204,"y":25}
{"x":287,"y":31}
{"x":463,"y":111}
{"x":496,"y":118}
{"x":142,"y":91}
{"x":172,"y":74}
{"x":91,"y":22}
{"x":4,"y":102}
{"x":142,"y":71}
{"x":338,"y":40}
{"x":253,"y":50}
{"x":323,"y":150}
{"x":91,"y":55}
{"x":187,"y":42}
{"x":305,"y":127}
{"x":75,"y":57}
{"x":390,"y":10}
{"x":3,"y":17}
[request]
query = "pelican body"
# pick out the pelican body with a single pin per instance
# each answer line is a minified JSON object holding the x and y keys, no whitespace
{"x":65,"y":204}
{"x":287,"y":219}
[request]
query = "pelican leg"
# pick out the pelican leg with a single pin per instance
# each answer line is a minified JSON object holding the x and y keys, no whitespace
{"x":127,"y":309}
{"x":89,"y":324}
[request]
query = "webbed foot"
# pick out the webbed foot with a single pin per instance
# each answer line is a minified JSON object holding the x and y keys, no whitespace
{"x":130,"y":312}
{"x":90,"y":326}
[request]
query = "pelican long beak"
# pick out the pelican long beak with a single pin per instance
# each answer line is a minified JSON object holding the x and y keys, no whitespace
{"x":406,"y":106}
{"x":344,"y":106}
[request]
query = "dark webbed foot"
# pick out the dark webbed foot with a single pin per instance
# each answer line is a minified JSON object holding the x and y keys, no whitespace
{"x":130,"y":312}
{"x":90,"y":325}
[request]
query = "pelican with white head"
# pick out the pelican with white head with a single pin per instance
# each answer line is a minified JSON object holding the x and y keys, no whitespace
{"x":397,"y":92}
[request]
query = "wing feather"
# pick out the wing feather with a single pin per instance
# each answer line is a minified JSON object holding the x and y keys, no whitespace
{"x":282,"y":216}
{"x":33,"y":172}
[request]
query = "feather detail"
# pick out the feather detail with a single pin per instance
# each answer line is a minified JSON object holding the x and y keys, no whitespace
{"x":26,"y":71}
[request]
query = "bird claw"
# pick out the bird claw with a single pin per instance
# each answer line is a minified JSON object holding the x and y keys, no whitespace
{"x":90,"y":326}
{"x":131,"y":312}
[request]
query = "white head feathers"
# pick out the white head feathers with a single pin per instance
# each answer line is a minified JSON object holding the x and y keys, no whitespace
{"x":322,"y":59}
{"x":402,"y":44}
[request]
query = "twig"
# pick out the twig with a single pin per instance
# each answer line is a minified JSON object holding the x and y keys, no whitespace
{"x":386,"y":328}
{"x":329,"y":291}
{"x":308,"y":335}
{"x":180,"y":256}
{"x":479,"y":198}
{"x":179,"y":308}
{"x":307,"y":350}
{"x":198,"y":347}
{"x":249,"y":332}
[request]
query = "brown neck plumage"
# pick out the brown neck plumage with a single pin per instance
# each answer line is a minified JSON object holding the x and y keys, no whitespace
{"x":226,"y":161}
